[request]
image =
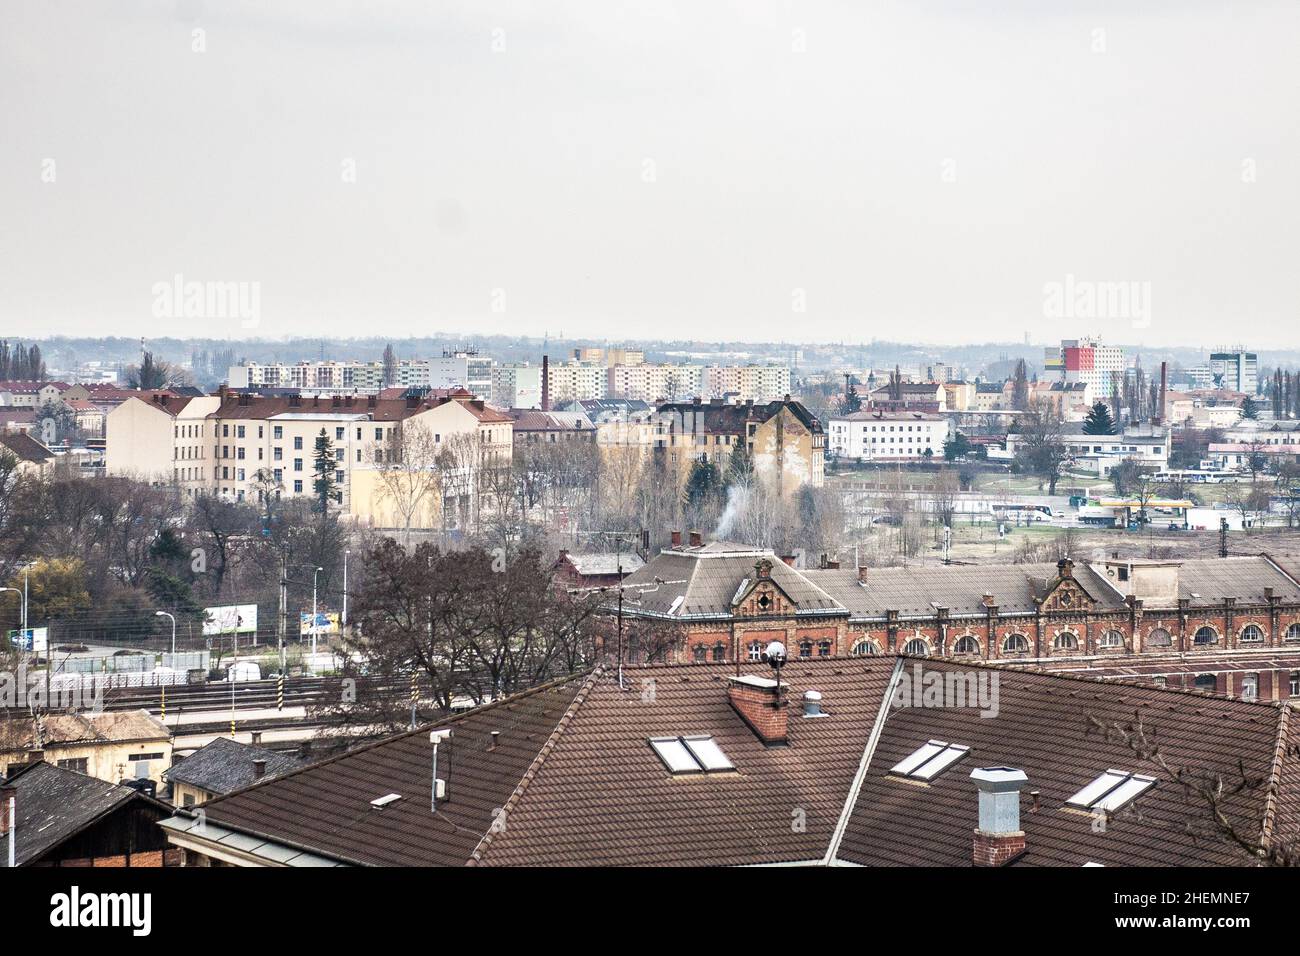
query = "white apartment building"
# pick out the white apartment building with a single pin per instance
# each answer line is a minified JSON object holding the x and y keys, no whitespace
{"x":454,"y":369}
{"x":652,"y":383}
{"x":1237,"y":370}
{"x":570,"y":381}
{"x":758,"y":383}
{"x":516,"y":386}
{"x":1087,"y":360}
{"x":887,"y":436}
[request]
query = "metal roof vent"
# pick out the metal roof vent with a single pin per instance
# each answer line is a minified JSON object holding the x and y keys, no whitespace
{"x":812,"y":704}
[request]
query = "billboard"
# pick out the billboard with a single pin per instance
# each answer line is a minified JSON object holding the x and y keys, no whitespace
{"x":327,"y":622}
{"x":230,"y":619}
{"x":34,"y":639}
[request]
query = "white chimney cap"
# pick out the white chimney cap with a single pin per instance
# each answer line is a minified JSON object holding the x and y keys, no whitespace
{"x":998,"y":778}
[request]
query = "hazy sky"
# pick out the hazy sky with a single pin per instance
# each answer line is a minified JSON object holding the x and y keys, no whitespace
{"x":797,"y":171}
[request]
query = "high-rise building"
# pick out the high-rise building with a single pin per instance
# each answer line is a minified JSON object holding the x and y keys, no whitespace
{"x":1236,"y":369}
{"x":1087,"y":360}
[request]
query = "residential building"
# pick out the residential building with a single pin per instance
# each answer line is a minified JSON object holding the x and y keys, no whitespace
{"x":595,"y":570}
{"x":849,"y":758}
{"x":1236,"y":370}
{"x":872,"y":435}
{"x":32,"y":457}
{"x":66,"y":818}
{"x":224,"y":766}
{"x":112,"y":746}
{"x":453,"y":369}
{"x":654,"y":383}
{"x":1088,"y":360}
{"x":533,"y":427}
{"x":517,"y":386}
{"x":1147,"y":444}
{"x":785,"y":441}
{"x":568,"y":381}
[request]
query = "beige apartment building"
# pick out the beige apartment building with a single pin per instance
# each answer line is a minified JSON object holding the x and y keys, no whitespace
{"x":244,"y":446}
{"x":113,"y":746}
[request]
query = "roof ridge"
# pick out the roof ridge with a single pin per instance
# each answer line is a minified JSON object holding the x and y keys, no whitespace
{"x":533,"y":768}
{"x":1274,"y":778}
{"x":390,"y":738}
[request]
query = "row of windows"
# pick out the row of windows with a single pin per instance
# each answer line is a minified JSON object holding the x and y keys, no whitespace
{"x":1019,"y":643}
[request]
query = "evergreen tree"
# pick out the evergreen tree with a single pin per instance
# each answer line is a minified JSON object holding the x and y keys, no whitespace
{"x":323,"y":465}
{"x":390,"y":365}
{"x":1020,"y":387}
{"x":1249,"y":409}
{"x":1099,"y":421}
{"x":852,"y":400}
{"x":704,"y":482}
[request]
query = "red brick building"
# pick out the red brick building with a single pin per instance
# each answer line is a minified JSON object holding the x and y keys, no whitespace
{"x":1229,"y":626}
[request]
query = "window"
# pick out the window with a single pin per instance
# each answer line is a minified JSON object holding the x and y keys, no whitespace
{"x":755,"y":650}
{"x":805,"y":648}
{"x":297,"y":464}
{"x":1066,"y":642}
{"x":699,"y":754}
{"x":719,"y":652}
{"x":1252,"y":634}
{"x":1295,"y":683}
{"x":863,"y":648}
{"x":297,"y":485}
{"x":1159,"y":638}
{"x":1112,"y":790}
{"x":1207,"y":635}
{"x":1250,"y":687}
{"x":1293,"y":632}
{"x":297,"y":443}
{"x":338,"y":433}
{"x":966,"y":645}
{"x":1112,"y":639}
{"x":1015,"y":644}
{"x":76,"y":763}
{"x":701,"y":653}
{"x":1205,"y":683}
{"x":930,"y":760}
{"x":277,"y":431}
{"x":916,"y":647}
{"x":823,"y":648}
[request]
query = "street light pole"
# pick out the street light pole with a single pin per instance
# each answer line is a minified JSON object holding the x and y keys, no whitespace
{"x":343,"y":621}
{"x":314,"y":628}
{"x":173,"y":618}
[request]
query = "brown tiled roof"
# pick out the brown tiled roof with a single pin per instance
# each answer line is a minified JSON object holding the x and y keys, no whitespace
{"x":325,"y":807}
{"x":24,"y":447}
{"x":730,"y":419}
{"x":600,"y":796}
{"x":114,"y":726}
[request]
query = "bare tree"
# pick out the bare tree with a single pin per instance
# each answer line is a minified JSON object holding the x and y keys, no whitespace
{"x":407,"y":472}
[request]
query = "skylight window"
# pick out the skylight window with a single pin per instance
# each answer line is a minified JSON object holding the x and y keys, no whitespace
{"x":380,"y":802}
{"x":930,"y":760}
{"x":699,"y":754}
{"x":1112,"y":790}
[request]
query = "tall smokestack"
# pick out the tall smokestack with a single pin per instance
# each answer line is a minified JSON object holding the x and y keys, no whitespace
{"x":1164,"y":388}
{"x":546,"y":383}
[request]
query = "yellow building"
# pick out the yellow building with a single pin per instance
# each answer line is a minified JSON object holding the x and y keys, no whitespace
{"x":112,"y":746}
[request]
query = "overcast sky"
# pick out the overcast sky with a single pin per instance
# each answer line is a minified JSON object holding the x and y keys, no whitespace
{"x":792,"y":171}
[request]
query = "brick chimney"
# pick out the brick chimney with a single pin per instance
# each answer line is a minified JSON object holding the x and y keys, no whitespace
{"x":259,"y":769}
{"x":789,"y":559}
{"x":998,"y":838}
{"x":677,"y":539}
{"x":988,"y":599}
{"x":546,"y":383}
{"x":696,"y":539}
{"x":761,"y":703}
{"x":862,"y":573}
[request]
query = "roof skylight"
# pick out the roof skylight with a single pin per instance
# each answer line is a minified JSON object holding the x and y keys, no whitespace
{"x":698,"y":754}
{"x":1112,"y":790}
{"x":930,"y":760}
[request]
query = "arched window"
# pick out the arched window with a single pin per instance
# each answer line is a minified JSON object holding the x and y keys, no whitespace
{"x":1066,"y":641}
{"x":1205,"y":683}
{"x":916,"y":647}
{"x":701,"y":653}
{"x":823,"y":648}
{"x":805,"y":648}
{"x":1159,"y":638}
{"x":1206,"y":635}
{"x":966,"y":645}
{"x":1015,"y":644}
{"x":1112,"y":639}
{"x":719,"y":652}
{"x":1293,"y":632}
{"x":1252,"y":634}
{"x":863,"y":648}
{"x":755,"y":650}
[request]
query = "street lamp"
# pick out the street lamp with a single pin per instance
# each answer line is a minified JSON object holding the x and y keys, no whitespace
{"x":343,"y":621}
{"x":314,"y":627}
{"x":173,"y":617}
